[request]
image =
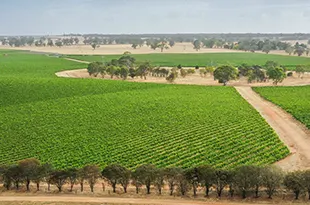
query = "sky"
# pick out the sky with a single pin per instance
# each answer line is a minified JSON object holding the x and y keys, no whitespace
{"x":54,"y":17}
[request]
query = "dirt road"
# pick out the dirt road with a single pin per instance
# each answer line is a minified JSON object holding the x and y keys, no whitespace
{"x":291,"y":132}
{"x":112,"y":200}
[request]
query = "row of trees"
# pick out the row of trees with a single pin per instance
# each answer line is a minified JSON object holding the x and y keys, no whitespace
{"x":43,"y":41}
{"x":126,"y":66}
{"x":253,"y":45}
{"x":271,"y":70}
{"x":244,"y":180}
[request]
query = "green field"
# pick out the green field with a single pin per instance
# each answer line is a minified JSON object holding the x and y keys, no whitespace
{"x":203,"y":59}
{"x":74,"y":122}
{"x":295,"y":100}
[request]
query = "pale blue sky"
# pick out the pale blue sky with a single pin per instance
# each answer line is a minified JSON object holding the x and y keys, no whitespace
{"x":42,"y":17}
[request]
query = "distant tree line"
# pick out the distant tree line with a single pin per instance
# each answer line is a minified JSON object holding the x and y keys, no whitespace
{"x":252,"y":45}
{"x":245,"y":181}
{"x":163,"y":42}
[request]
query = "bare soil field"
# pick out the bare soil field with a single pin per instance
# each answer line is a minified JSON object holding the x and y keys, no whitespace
{"x":89,"y":200}
{"x":117,"y":49}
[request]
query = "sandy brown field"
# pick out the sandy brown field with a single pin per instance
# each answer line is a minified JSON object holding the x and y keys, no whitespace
{"x":117,"y":49}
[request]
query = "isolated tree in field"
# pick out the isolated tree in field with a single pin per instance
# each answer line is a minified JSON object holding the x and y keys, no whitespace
{"x":95,"y":45}
{"x":95,"y":68}
{"x":124,"y":71}
{"x":172,"y":75}
{"x":289,"y":50}
{"x":48,"y":169}
{"x":197,"y":45}
{"x":50,"y":42}
{"x":112,"y":70}
{"x":59,"y":178}
{"x":72,"y":177}
{"x":299,"y":50}
{"x":59,"y":44}
{"x":147,"y":175}
{"x":171,"y":43}
{"x":171,"y":177}
{"x":266,"y":48}
{"x":163,"y":45}
{"x":92,"y":174}
{"x":272,"y":177}
{"x":306,"y":181}
{"x":225,"y":73}
{"x":294,"y":181}
{"x":76,"y":40}
{"x":206,"y":175}
{"x":159,"y":181}
{"x":154,"y":45}
{"x":192,"y":176}
{"x":277,"y":74}
{"x":134,"y":46}
{"x":209,"y":43}
{"x":300,"y":70}
{"x":29,"y":167}
{"x":183,"y":73}
{"x":132,"y":72}
{"x":144,"y":69}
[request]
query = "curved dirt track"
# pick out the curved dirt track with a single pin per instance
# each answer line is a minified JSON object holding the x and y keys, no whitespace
{"x":112,"y":200}
{"x":291,"y":132}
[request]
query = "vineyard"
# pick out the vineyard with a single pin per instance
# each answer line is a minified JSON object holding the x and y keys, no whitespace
{"x":74,"y":122}
{"x":295,"y":100}
{"x":206,"y":59}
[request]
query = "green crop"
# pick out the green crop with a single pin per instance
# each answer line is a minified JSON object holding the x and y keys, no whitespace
{"x":295,"y":100}
{"x":74,"y":122}
{"x":206,"y":59}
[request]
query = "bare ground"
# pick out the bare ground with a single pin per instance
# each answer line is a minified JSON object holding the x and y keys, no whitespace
{"x":82,"y":200}
{"x":118,"y":49}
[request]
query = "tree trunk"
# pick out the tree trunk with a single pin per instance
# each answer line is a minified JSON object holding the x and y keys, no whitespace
{"x":207,"y":189}
{"x":159,"y":190}
{"x":219,"y":192}
{"x":243,"y":194}
{"x":256,"y":191}
{"x":171,"y":190}
{"x":82,"y":186}
{"x":48,"y":187}
{"x":194,"y":190}
{"x":309,"y":194}
{"x":38,"y":186}
{"x":91,"y":188}
{"x":17,"y":185}
{"x":125,"y":189}
{"x":71,"y":187}
{"x":59,"y":188}
{"x":114,"y":188}
{"x":148,"y":188}
{"x":27,"y":184}
{"x":137,"y":190}
{"x":296,"y":195}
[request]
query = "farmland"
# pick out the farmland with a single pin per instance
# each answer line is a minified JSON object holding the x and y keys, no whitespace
{"x":204,"y":59}
{"x":294,"y":100}
{"x":73,"y":122}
